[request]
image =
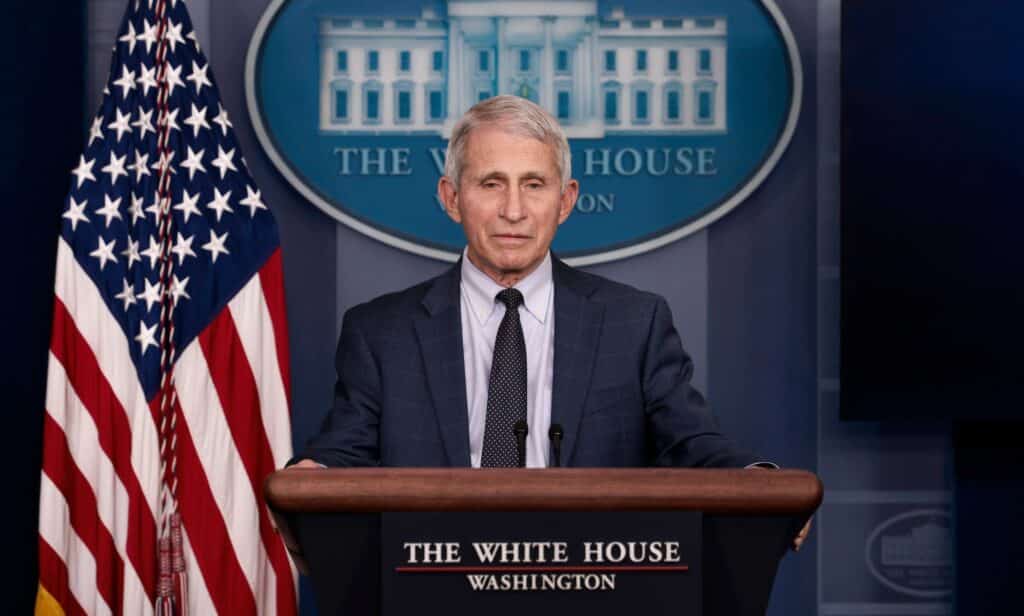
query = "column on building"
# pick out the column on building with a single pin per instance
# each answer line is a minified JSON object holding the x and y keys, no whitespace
{"x":454,"y":70}
{"x":576,"y":100}
{"x":588,"y":87}
{"x":547,"y":68}
{"x":467,"y":67}
{"x":500,"y":55}
{"x":594,"y":71}
{"x":585,"y":74}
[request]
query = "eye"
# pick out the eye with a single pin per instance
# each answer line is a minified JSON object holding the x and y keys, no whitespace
{"x":491,"y":184}
{"x":535,"y":185}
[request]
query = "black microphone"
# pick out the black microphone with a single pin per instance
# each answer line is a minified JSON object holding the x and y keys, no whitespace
{"x":521,"y":430}
{"x":555,"y":434}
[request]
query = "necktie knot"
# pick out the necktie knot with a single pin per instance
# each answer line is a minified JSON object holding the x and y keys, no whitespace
{"x":512,"y":298}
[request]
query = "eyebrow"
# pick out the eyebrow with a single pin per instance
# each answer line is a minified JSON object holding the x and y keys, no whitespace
{"x":500,"y":175}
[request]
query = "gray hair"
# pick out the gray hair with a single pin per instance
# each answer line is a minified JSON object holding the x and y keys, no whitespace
{"x":517,"y":116}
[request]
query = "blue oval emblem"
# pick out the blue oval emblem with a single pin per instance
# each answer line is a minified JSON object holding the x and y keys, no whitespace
{"x":675,"y":114}
{"x":912,"y":553}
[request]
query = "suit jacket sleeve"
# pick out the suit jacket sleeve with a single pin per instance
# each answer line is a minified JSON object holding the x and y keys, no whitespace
{"x":682,"y":431}
{"x":349,"y":434}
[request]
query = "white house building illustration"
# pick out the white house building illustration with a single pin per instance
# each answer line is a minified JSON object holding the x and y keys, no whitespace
{"x":599,"y":75}
{"x":928,"y":545}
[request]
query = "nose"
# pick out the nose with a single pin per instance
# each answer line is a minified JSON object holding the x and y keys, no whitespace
{"x":513,"y":210}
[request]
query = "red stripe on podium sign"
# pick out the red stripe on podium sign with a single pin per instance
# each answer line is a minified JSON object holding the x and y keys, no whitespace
{"x":548,"y":569}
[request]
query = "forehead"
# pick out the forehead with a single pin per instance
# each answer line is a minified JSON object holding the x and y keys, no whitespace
{"x":491,"y":148}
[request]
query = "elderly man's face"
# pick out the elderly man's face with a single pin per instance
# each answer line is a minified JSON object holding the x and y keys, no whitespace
{"x":509,"y":202}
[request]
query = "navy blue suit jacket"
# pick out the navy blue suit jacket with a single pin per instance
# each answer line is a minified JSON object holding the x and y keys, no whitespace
{"x":621,"y":384}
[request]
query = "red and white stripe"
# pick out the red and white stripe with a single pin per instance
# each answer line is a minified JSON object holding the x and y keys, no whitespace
{"x":101,"y":470}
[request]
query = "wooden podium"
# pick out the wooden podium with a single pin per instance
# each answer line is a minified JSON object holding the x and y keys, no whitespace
{"x":337,"y":525}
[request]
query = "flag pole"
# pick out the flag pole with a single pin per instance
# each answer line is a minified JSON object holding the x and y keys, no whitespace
{"x":173,"y":585}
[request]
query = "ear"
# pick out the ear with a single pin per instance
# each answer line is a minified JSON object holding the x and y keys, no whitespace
{"x":567,"y":200}
{"x":449,"y":196}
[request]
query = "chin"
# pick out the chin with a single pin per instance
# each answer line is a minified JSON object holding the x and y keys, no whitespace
{"x":507,"y":267}
{"x":514,"y":264}
{"x":510,"y":262}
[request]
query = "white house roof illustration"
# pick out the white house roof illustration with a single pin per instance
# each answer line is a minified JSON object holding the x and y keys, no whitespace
{"x":598,"y":74}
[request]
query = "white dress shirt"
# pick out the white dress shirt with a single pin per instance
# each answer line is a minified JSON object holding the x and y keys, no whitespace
{"x":481,"y":315}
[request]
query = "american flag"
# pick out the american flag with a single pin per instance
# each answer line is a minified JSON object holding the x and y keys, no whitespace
{"x":167,"y":387}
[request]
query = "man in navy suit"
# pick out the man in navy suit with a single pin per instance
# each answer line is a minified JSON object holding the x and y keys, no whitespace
{"x":604,"y":363}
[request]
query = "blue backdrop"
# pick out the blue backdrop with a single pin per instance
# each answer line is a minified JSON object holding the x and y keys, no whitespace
{"x":754,"y":297}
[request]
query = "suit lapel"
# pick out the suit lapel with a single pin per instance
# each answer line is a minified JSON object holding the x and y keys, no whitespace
{"x":577,"y":331}
{"x":440,"y":338}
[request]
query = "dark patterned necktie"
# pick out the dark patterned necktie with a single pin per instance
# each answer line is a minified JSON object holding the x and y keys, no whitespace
{"x":506,"y":388}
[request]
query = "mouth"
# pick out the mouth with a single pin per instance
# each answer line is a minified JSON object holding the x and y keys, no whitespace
{"x":511,"y":238}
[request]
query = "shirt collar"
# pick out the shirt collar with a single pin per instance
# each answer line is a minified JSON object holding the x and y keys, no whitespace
{"x":480,"y":290}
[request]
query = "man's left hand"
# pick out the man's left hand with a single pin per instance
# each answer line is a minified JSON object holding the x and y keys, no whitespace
{"x":802,"y":535}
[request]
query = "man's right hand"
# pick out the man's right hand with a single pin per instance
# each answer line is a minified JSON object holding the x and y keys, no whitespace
{"x":306,"y":463}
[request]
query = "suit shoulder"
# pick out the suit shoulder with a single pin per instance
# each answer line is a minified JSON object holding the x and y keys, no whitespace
{"x":608,"y":291}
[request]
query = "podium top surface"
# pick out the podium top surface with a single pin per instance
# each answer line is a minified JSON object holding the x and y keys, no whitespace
{"x":721,"y":491}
